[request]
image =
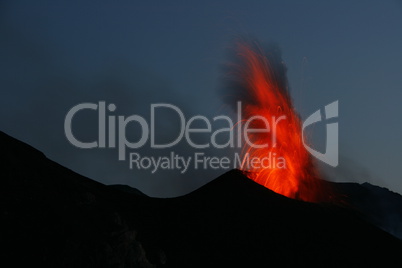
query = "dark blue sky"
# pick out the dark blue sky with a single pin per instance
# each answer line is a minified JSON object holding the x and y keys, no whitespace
{"x":56,"y":54}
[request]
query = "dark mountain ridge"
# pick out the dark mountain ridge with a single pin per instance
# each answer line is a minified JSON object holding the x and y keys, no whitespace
{"x":53,"y":217}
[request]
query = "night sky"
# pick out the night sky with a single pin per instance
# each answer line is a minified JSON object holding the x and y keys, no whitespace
{"x":57,"y":54}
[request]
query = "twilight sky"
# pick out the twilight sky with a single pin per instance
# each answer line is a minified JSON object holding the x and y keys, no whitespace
{"x":57,"y":54}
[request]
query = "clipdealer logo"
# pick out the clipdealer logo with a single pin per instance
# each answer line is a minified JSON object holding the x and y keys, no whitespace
{"x":112,"y":134}
{"x":331,"y":154}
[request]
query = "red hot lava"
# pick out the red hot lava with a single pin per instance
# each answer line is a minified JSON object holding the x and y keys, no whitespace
{"x":269,"y":108}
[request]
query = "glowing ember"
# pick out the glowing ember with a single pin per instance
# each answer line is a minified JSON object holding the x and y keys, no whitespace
{"x":269,"y":100}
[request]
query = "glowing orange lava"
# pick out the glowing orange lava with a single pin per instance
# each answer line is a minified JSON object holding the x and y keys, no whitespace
{"x":270,"y":100}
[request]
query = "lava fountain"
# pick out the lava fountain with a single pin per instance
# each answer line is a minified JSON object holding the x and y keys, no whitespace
{"x":266,"y":102}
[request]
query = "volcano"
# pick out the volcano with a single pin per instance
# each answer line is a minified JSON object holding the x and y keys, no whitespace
{"x":259,"y":80}
{"x":53,"y":217}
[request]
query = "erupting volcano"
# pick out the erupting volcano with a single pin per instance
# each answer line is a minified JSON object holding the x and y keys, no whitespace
{"x":267,"y":107}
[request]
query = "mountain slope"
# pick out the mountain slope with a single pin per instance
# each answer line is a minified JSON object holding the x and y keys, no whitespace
{"x":54,"y":217}
{"x":377,"y":205}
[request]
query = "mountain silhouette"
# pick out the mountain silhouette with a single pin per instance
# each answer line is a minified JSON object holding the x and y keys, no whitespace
{"x":54,"y":217}
{"x":377,"y":205}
